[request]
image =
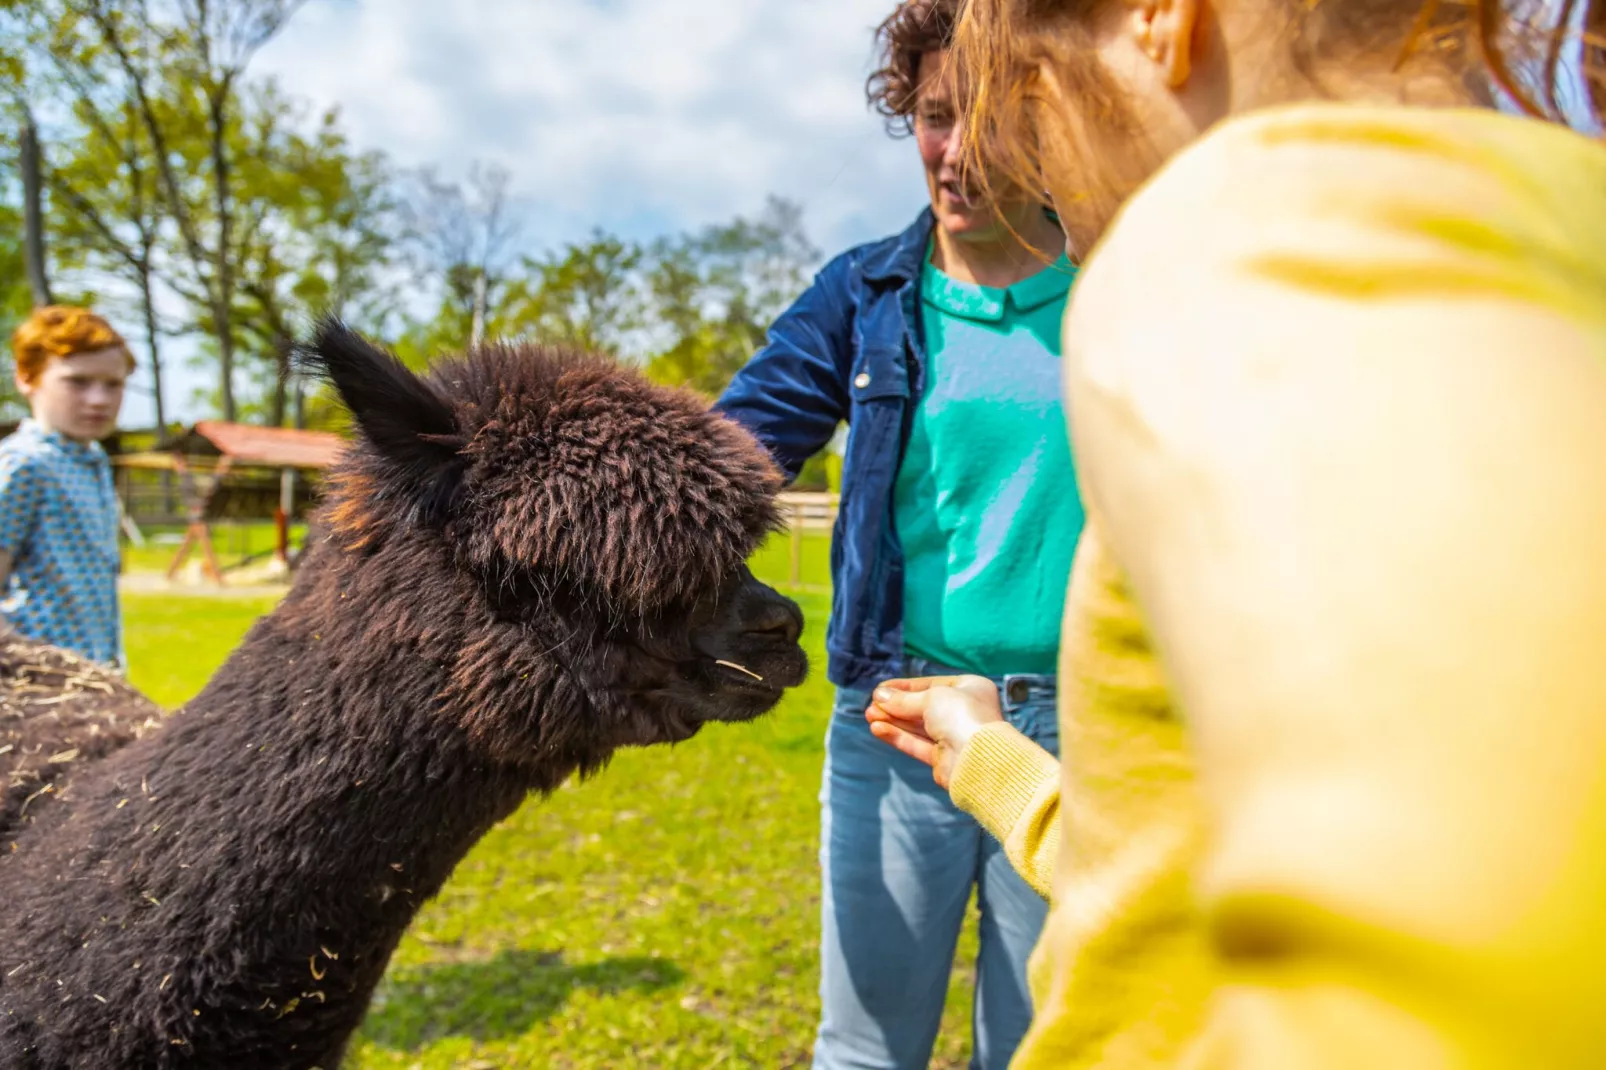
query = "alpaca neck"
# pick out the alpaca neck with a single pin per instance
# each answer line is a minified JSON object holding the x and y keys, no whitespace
{"x":372,"y":792}
{"x":264,"y":852}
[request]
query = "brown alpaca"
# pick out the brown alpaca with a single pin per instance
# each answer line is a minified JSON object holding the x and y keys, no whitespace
{"x":532,"y":558}
{"x":57,"y":712}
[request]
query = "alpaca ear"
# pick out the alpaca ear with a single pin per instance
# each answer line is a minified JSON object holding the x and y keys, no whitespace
{"x":408,"y":424}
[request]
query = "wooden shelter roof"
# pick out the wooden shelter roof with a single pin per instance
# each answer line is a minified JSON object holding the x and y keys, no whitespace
{"x":268,"y":447}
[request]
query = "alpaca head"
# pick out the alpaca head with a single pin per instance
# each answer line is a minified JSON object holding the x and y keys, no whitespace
{"x":591,"y":528}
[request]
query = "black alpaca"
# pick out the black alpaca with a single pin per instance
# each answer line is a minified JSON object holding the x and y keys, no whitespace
{"x":532,"y":558}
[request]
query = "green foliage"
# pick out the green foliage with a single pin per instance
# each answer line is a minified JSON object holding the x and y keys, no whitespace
{"x":816,"y":473}
{"x":460,"y":238}
{"x":715,"y":293}
{"x":421,"y":342}
{"x":19,"y":21}
{"x":14,"y":304}
{"x":17,"y":32}
{"x":691,"y":308}
{"x":585,"y":294}
{"x":15,"y":298}
{"x":320,"y":232}
{"x":159,"y":152}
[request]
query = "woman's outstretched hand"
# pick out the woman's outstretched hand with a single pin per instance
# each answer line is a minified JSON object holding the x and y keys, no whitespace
{"x":933,"y":717}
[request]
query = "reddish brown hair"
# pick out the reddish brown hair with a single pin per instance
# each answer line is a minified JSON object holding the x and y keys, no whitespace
{"x":57,"y":331}
{"x":1514,"y":47}
{"x":915,"y":28}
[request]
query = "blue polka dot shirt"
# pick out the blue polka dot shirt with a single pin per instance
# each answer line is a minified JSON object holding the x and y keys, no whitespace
{"x":58,"y":521}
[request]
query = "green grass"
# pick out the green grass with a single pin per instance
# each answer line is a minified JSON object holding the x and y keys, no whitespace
{"x":663,"y":914}
{"x":175,"y":641}
{"x":773,"y":560}
{"x":231,"y":541}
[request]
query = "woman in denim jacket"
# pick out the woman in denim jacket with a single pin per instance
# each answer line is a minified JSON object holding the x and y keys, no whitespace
{"x":959,"y":514}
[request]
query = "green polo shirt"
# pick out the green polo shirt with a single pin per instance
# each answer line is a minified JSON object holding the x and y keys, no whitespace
{"x":986,"y":502}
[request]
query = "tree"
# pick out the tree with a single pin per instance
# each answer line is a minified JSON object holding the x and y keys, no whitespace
{"x":107,"y":212}
{"x":17,"y":30}
{"x":33,"y":202}
{"x":715,"y":293}
{"x":175,"y":177}
{"x":14,"y":298}
{"x":104,"y":214}
{"x":319,"y":230}
{"x":463,"y":241}
{"x":199,"y":53}
{"x":693,"y":307}
{"x":587,"y":294}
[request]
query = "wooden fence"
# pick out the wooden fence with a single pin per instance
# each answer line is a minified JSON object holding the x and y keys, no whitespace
{"x":151,"y":501}
{"x":805,"y":511}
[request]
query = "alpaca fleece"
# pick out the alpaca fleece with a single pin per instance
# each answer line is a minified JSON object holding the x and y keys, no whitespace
{"x":57,"y":709}
{"x":528,"y":556}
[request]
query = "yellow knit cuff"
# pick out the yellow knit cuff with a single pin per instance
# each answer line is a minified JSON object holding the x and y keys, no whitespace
{"x":999,"y":775}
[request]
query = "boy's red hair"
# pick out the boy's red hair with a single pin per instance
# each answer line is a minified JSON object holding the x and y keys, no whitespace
{"x":56,"y":331}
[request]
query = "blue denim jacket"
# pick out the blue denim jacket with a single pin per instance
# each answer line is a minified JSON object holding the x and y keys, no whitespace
{"x":850,"y":348}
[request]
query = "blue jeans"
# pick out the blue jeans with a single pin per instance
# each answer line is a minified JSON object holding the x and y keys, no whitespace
{"x":898,"y":861}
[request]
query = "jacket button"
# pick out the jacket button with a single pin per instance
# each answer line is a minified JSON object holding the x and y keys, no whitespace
{"x":862,"y":380}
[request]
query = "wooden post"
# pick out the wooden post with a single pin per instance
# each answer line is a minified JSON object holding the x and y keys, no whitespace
{"x":281,"y":515}
{"x":797,"y":543}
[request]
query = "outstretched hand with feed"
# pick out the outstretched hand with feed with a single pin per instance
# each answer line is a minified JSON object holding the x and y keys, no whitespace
{"x":933,"y":718}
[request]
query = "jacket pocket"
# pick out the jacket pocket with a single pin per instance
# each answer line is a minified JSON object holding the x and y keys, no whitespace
{"x":879,"y":373}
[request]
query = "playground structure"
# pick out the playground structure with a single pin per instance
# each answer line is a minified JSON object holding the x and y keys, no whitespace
{"x":223,"y":472}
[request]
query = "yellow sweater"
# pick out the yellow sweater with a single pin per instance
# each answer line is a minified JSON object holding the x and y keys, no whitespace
{"x":1337,"y":382}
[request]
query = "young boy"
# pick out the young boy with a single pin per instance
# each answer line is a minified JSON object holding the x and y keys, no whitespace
{"x":58,"y":510}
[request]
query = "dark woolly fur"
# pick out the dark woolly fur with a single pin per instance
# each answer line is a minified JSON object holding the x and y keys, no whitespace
{"x":57,"y":712}
{"x":530,"y":559}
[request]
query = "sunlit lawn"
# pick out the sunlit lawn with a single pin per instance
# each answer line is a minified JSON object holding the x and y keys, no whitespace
{"x":663,"y":914}
{"x":231,"y":542}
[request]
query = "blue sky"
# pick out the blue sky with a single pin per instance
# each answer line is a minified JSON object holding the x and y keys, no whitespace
{"x":644,"y":117}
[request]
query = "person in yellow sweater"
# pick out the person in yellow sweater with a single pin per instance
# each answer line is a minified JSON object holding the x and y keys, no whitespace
{"x":1333,"y":673}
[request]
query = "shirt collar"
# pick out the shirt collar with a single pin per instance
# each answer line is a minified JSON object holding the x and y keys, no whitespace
{"x":83,"y":452}
{"x":988,"y":303}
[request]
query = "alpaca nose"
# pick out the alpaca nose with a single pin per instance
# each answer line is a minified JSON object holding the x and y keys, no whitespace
{"x":773,"y":616}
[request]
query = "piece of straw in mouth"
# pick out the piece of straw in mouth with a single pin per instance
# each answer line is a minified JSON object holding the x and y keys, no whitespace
{"x":741,"y":669}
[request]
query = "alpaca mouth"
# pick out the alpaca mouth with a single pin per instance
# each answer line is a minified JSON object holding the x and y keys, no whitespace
{"x":750,"y":677}
{"x":735,"y":675}
{"x":743,"y":669}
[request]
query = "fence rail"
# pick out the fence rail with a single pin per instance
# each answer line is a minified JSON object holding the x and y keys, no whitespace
{"x":149,"y":503}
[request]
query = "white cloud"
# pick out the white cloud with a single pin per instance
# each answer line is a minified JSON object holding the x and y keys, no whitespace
{"x":637,"y":115}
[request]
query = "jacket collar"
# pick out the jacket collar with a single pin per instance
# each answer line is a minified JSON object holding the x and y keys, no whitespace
{"x":899,"y":259}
